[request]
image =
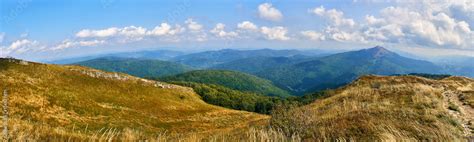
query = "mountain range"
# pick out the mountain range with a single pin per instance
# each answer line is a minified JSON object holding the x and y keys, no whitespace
{"x":151,"y":54}
{"x":211,"y":58}
{"x":295,"y":71}
{"x":338,"y":69}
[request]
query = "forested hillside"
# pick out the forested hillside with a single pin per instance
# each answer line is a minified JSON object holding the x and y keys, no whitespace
{"x":230,"y":79}
{"x":136,"y":67}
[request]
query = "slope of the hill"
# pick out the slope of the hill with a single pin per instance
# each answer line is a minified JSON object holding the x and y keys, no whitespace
{"x":72,"y":101}
{"x":136,"y":67}
{"x":393,"y":108}
{"x":231,"y":79}
{"x":338,"y":69}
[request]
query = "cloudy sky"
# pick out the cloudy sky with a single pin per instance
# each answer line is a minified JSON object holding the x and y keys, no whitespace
{"x":49,"y":29}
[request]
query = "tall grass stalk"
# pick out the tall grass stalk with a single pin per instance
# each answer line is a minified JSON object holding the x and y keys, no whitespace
{"x":5,"y":115}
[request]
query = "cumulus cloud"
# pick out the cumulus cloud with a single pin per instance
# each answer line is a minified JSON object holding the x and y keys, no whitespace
{"x":343,"y":35}
{"x":193,"y":25}
{"x":122,"y":35}
{"x":268,"y":12}
{"x":340,"y":28}
{"x":427,"y":23}
{"x":130,"y":33}
{"x":21,"y":46}
{"x":166,"y":29}
{"x":422,"y":27}
{"x":83,"y":43}
{"x":221,"y":33}
{"x":97,"y":33}
{"x":275,"y":33}
{"x":313,"y":35}
{"x":247,"y":25}
{"x":335,"y":17}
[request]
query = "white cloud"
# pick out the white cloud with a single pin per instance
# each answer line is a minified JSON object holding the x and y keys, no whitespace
{"x":337,"y":34}
{"x":20,"y":43}
{"x":427,"y":23}
{"x":70,"y":44}
{"x":21,"y":46}
{"x":275,"y":33}
{"x":221,"y":33}
{"x":268,"y":12}
{"x":336,"y":17}
{"x":196,"y":32}
{"x":418,"y":26}
{"x":97,"y":33}
{"x":132,"y":31}
{"x":313,"y":35}
{"x":166,"y":29}
{"x":340,"y":28}
{"x":247,"y":25}
{"x":192,"y":25}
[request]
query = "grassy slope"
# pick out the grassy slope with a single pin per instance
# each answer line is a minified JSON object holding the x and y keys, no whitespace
{"x":231,"y":79}
{"x":59,"y":99}
{"x":136,"y":67}
{"x":407,"y":107}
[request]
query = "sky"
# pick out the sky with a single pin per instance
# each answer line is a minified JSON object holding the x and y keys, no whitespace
{"x":41,"y":30}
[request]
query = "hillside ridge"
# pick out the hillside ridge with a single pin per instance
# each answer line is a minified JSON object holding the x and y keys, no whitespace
{"x":64,"y":99}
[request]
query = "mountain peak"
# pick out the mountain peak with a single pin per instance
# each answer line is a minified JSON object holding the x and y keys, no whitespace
{"x":379,"y":48}
{"x":379,"y":51}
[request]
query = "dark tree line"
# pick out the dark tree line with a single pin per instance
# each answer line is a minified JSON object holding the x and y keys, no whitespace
{"x":248,"y":101}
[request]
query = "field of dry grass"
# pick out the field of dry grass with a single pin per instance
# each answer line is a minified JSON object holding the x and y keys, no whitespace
{"x":390,"y":108}
{"x":48,"y":101}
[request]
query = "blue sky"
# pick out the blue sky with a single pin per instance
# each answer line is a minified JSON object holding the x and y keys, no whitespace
{"x":48,"y":29}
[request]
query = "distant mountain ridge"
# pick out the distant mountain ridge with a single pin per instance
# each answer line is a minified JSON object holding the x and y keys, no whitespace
{"x":136,"y":67}
{"x":149,"y":54}
{"x":211,"y":58}
{"x":338,"y":69}
{"x":254,"y":65}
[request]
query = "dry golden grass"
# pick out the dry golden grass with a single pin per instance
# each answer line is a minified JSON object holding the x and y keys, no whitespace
{"x":50,"y":101}
{"x":388,"y":108}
